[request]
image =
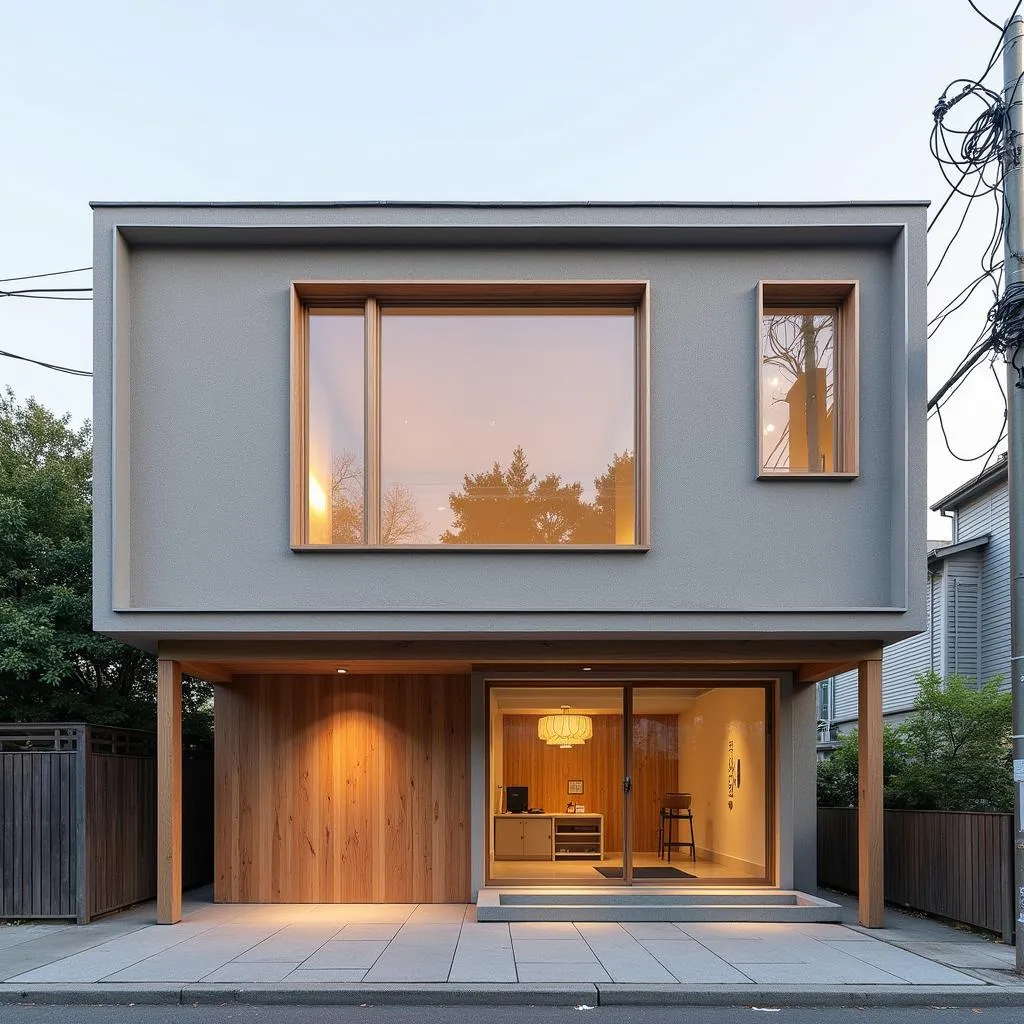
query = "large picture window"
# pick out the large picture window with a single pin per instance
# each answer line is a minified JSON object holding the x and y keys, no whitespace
{"x":492,"y":415}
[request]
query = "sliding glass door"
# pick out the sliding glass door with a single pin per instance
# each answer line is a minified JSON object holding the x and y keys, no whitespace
{"x":556,"y":770}
{"x":620,"y":782}
{"x":698,"y":801}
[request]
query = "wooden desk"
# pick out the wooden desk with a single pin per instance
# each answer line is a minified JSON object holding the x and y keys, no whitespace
{"x":548,"y":837}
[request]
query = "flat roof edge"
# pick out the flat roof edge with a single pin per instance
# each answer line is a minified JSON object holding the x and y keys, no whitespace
{"x":499,"y":205}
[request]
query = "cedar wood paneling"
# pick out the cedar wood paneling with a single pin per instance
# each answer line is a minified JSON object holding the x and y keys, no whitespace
{"x":598,"y":762}
{"x":342,"y":789}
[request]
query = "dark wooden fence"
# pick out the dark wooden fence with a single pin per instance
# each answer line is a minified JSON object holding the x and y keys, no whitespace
{"x":78,"y":820}
{"x":954,"y":864}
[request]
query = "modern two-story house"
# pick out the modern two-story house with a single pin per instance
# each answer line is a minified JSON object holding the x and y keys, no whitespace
{"x":473,"y":510}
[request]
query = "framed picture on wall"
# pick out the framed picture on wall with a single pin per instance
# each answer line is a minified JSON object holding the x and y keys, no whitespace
{"x":575,"y":787}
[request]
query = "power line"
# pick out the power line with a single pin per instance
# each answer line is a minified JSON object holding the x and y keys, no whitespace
{"x":33,"y":293}
{"x":981,"y":14}
{"x":48,"y":366}
{"x":52,"y":273}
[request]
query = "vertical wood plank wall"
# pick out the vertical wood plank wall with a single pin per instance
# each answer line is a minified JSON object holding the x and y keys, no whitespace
{"x":38,"y":834}
{"x":527,"y":761}
{"x":121,"y":837}
{"x":342,"y":789}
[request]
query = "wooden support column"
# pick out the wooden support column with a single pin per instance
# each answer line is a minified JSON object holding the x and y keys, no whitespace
{"x":168,"y":753}
{"x":871,"y":796}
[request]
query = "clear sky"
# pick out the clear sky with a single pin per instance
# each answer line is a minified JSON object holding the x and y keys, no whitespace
{"x":561,"y":99}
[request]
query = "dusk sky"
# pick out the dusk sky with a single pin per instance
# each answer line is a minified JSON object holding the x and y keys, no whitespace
{"x":797,"y":100}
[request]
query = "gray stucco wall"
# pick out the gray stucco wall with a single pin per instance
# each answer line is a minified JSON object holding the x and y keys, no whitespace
{"x":203,"y":404}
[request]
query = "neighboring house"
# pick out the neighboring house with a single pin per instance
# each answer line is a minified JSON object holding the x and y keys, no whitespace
{"x":469,"y":509}
{"x":968,"y":609}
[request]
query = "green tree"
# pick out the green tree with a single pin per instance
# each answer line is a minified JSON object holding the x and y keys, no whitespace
{"x":952,"y":754}
{"x":958,"y":748}
{"x":838,"y":773}
{"x":53,"y":667}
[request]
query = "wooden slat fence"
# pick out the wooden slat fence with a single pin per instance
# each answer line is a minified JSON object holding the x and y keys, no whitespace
{"x":954,"y":864}
{"x":78,"y":820}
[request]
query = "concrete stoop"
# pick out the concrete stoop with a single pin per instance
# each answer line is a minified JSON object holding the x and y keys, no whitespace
{"x":615,"y":903}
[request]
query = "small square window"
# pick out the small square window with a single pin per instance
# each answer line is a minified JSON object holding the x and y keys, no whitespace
{"x":807,"y":379}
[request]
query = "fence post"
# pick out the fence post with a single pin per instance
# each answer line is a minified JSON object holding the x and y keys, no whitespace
{"x":82,"y":744}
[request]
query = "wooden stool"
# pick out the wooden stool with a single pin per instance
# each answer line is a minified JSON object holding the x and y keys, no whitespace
{"x":675,"y":807}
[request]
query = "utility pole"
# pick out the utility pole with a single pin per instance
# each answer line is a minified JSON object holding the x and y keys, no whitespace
{"x":1013,"y":280}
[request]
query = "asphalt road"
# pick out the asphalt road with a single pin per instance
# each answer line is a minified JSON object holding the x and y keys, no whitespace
{"x":18,"y":1014}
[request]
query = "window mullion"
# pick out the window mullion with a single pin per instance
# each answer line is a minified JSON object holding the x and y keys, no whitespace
{"x":373,"y":423}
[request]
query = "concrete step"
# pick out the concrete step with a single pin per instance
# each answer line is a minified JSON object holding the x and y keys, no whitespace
{"x":652,"y":903}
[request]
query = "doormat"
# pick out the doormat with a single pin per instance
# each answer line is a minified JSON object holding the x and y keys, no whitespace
{"x":665,"y":872}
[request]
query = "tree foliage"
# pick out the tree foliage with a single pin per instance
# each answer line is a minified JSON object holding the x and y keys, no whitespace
{"x":53,"y":667}
{"x":953,"y":753}
{"x":512,"y":506}
{"x":400,"y":518}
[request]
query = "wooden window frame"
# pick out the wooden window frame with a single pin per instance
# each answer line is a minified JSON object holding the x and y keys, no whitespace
{"x":841,"y":299}
{"x":370,"y":297}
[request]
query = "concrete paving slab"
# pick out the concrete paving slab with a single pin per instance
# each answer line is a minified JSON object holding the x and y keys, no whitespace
{"x":15,"y":934}
{"x":904,"y":966}
{"x":622,"y":956}
{"x":291,"y":944}
{"x":335,"y":976}
{"x":414,"y":934}
{"x":484,"y":954}
{"x":413,"y":963}
{"x":963,"y":954}
{"x":562,"y":973}
{"x":854,"y":972}
{"x":27,"y":956}
{"x":114,"y":955}
{"x":831,"y":932}
{"x":353,"y":953}
{"x":791,"y":949}
{"x":265,"y":972}
{"x":196,"y":957}
{"x":732,"y":929}
{"x":437,"y":913}
{"x":368,"y":932}
{"x":542,"y":929}
{"x":552,"y":951}
{"x":362,"y":913}
{"x":691,"y":963}
{"x":1002,"y":976}
{"x":655,"y":930}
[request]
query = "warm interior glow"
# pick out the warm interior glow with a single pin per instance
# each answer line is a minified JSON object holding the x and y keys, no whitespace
{"x":319,"y":517}
{"x":565,"y":730}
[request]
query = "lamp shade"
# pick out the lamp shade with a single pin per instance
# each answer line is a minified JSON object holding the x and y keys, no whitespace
{"x":564,"y":730}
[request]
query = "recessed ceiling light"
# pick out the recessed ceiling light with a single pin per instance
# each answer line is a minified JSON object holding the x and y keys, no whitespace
{"x":587,"y":668}
{"x":342,"y":671}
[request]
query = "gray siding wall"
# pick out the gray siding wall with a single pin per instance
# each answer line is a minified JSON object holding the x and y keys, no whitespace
{"x":989,"y":513}
{"x":968,"y":615}
{"x":207,"y":418}
{"x":902,"y":662}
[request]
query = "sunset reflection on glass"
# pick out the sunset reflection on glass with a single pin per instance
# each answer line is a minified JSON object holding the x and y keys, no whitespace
{"x":508,"y":427}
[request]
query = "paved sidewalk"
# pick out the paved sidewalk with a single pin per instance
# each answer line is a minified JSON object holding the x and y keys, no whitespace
{"x":440,"y":953}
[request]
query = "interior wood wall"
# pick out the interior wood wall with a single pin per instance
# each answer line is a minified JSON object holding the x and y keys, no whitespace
{"x":599,"y":763}
{"x":345,"y":789}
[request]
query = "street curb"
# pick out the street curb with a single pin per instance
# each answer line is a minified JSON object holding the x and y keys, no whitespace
{"x":810,"y":995}
{"x":310,"y":994}
{"x":511,"y":994}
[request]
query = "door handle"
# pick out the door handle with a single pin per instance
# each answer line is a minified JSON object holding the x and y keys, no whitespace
{"x":627,"y":785}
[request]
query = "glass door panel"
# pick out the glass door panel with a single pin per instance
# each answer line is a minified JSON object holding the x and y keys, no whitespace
{"x":698,"y":803}
{"x":556,"y":765}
